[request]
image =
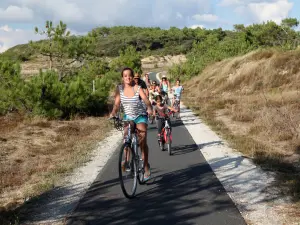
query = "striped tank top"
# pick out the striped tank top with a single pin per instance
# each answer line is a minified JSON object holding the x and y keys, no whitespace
{"x":132,"y":106}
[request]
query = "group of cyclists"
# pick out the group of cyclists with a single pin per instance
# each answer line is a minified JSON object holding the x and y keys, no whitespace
{"x":141,"y":98}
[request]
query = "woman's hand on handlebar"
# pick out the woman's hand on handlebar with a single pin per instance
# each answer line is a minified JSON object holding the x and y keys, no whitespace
{"x":150,"y":111}
{"x":112,"y":116}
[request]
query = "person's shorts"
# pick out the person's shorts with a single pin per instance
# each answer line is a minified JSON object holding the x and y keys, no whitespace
{"x":139,"y":119}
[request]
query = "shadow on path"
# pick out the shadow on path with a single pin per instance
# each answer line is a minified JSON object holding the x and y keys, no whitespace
{"x":169,"y":199}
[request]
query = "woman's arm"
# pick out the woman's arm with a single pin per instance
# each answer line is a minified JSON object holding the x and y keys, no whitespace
{"x":147,"y":92}
{"x":117,"y":103}
{"x":160,"y":84}
{"x":172,"y":109}
{"x":146,"y":100}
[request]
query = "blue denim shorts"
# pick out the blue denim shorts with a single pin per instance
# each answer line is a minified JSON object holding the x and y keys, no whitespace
{"x":139,"y":119}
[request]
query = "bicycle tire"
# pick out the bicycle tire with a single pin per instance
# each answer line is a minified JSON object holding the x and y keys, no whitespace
{"x":161,"y":142}
{"x":140,"y":167}
{"x":168,"y":142}
{"x":134,"y":167}
{"x":161,"y":145}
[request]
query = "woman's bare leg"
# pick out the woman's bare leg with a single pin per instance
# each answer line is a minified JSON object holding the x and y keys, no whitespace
{"x":142,"y":135}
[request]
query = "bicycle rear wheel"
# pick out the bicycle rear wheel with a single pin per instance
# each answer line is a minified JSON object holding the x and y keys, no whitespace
{"x":168,"y":142}
{"x":161,"y":142}
{"x":127,"y":164}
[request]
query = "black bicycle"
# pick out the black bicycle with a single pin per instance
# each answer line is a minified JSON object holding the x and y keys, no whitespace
{"x":130,"y":160}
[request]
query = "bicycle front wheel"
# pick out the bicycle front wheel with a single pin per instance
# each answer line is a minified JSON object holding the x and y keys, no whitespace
{"x":127,"y":171}
{"x":168,"y":142}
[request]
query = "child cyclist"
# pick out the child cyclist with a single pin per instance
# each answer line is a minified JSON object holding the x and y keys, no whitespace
{"x":161,"y":109}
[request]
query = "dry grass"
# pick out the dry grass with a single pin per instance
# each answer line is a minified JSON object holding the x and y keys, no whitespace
{"x":36,"y":153}
{"x":254,"y":102}
{"x":153,"y":62}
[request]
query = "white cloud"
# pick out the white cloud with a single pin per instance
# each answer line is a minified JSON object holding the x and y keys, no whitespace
{"x":229,"y":2}
{"x":178,"y":15}
{"x":6,"y":28}
{"x":81,"y":16}
{"x":16,"y":14}
{"x":258,"y":11}
{"x":197,"y":26}
{"x":87,"y":14}
{"x":205,"y":18}
{"x":10,"y":37}
{"x":275,"y":11}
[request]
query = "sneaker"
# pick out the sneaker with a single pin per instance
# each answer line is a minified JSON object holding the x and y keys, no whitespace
{"x":126,"y":166}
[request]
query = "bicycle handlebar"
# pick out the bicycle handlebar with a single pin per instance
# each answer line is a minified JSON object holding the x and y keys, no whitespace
{"x":117,"y":122}
{"x":168,"y":114}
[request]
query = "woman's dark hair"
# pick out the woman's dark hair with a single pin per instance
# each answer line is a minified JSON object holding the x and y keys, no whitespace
{"x":158,"y":97}
{"x":127,"y":68}
{"x":177,"y":80}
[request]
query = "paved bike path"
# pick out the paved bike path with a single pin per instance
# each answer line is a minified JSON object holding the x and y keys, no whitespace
{"x":183,"y":190}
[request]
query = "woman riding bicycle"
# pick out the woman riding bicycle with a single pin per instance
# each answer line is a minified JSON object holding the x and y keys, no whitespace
{"x":161,"y":109}
{"x":128,"y":94}
{"x":156,"y":87}
{"x":164,"y":84}
{"x":177,"y":92}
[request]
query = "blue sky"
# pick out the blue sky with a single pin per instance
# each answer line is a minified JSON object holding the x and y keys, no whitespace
{"x":19,"y":17}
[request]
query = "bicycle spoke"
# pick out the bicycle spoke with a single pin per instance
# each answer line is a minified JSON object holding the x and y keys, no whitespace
{"x":127,"y":171}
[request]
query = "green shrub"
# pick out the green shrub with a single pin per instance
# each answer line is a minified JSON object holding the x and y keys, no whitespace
{"x":45,"y":95}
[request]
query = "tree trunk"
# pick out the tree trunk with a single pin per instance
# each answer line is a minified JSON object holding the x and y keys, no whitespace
{"x":50,"y":63}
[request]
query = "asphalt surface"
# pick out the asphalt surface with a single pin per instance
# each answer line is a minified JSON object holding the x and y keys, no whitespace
{"x":183,"y":190}
{"x":152,"y":77}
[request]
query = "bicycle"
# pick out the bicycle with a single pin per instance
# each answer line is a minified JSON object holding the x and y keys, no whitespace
{"x":166,"y":134}
{"x":165,"y":98}
{"x":133,"y":165}
{"x":151,"y":117}
{"x":176,"y":105}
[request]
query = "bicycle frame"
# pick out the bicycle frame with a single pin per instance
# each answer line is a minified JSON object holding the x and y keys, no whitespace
{"x":131,"y":140}
{"x":166,"y":130}
{"x":176,"y":101}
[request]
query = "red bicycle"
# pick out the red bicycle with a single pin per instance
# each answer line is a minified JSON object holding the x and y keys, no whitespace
{"x":166,"y":134}
{"x":176,"y":105}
